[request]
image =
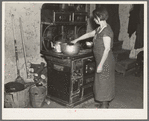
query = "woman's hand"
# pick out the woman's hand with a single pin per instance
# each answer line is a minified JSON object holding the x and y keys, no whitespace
{"x":84,"y":36}
{"x":99,"y":68}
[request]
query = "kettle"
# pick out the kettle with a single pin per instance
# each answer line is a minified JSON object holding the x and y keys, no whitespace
{"x":56,"y":46}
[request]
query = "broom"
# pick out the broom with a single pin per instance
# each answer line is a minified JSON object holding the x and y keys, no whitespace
{"x":19,"y":78}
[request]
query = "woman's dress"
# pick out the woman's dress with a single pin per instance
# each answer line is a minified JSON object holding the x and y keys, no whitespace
{"x":104,"y":85}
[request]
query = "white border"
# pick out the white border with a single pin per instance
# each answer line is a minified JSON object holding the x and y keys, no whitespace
{"x":41,"y":114}
{"x":84,"y":2}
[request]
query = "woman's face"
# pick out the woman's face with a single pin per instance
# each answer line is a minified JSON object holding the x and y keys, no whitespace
{"x":97,"y":20}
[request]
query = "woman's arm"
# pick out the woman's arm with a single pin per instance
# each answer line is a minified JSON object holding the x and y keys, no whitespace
{"x":107,"y":43}
{"x":85,"y":36}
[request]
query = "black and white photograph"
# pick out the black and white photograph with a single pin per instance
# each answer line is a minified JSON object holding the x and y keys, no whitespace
{"x":74,"y":60}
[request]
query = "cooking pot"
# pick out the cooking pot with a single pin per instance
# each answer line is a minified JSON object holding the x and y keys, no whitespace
{"x":70,"y":49}
{"x":56,"y":46}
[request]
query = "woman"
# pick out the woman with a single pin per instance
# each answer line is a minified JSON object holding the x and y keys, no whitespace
{"x":104,"y":85}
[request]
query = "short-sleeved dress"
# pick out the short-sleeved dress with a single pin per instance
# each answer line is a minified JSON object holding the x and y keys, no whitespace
{"x":104,"y":85}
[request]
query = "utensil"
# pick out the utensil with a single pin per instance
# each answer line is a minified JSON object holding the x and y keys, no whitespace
{"x":23,"y":45}
{"x":19,"y":78}
{"x":70,"y":49}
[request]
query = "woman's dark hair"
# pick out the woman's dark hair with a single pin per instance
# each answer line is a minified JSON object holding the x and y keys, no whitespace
{"x":101,"y":12}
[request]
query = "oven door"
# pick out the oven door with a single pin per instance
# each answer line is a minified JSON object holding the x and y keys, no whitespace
{"x":89,"y":66}
{"x":59,"y":81}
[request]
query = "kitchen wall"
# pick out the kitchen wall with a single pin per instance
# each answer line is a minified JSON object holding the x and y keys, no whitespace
{"x":30,"y":16}
{"x":124,"y":20}
{"x":89,"y":27}
{"x":128,"y":43}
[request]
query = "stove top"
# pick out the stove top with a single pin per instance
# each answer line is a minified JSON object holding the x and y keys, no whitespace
{"x":61,"y":55}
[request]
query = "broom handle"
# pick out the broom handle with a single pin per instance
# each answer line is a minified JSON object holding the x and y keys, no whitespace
{"x":15,"y":44}
{"x":24,"y":51}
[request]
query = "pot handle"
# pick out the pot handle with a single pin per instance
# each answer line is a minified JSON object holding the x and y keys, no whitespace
{"x":69,"y":43}
{"x":52,"y":44}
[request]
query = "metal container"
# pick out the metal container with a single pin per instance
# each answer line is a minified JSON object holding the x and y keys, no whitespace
{"x":37,"y":95}
{"x":19,"y":99}
{"x":56,"y":46}
{"x":70,"y":49}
